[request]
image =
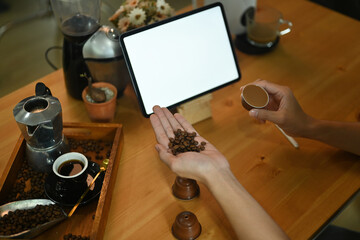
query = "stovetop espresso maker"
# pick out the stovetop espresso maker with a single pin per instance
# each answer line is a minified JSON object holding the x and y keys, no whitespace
{"x":39,"y":118}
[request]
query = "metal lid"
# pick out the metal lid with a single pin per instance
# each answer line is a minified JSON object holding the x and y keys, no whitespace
{"x":103,"y":44}
{"x":36,"y":110}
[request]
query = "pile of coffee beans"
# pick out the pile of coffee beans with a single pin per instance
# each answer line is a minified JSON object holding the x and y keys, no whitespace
{"x":21,"y":220}
{"x":185,"y":142}
{"x":29,"y":184}
{"x":70,"y":236}
{"x":88,"y":146}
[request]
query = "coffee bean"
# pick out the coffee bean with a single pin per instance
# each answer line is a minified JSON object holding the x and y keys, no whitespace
{"x":21,"y":220}
{"x":185,"y":142}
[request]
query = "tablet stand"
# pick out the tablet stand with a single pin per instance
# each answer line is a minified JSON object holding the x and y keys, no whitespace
{"x":196,"y":110}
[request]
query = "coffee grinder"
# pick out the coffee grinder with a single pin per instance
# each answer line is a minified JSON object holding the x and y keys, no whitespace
{"x":39,"y":118}
{"x":78,"y":20}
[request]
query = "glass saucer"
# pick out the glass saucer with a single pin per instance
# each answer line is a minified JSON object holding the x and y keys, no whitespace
{"x":52,"y":179}
{"x":244,"y":46}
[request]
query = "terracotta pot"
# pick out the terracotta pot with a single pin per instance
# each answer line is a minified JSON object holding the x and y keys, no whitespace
{"x":186,"y":226}
{"x":101,"y":112}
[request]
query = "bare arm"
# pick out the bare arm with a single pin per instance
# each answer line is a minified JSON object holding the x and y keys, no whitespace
{"x":248,"y":218}
{"x":285,"y":111}
{"x":343,"y":135}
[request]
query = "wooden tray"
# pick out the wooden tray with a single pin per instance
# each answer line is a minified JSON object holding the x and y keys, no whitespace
{"x":90,"y":219}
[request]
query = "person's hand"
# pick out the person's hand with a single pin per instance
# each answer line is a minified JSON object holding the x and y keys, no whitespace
{"x":195,"y":165}
{"x":283,"y":109}
{"x":211,"y":168}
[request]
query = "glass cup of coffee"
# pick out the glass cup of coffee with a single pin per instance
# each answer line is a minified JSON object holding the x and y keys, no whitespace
{"x":263,"y":26}
{"x":71,"y":171}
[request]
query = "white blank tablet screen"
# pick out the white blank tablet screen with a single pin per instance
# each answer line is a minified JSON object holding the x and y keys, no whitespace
{"x":181,"y":59}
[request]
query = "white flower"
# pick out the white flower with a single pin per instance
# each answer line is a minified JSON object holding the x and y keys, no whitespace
{"x":137,"y":16}
{"x":163,"y":7}
{"x":160,"y":2}
{"x":123,"y":24}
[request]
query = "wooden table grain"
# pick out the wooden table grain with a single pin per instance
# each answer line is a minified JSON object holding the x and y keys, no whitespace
{"x":300,"y":188}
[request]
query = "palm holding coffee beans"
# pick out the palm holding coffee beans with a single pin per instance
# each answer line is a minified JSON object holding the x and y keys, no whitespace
{"x":188,"y":164}
{"x":185,"y":142}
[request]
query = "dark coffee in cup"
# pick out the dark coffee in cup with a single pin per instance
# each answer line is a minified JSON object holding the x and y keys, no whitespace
{"x":71,"y":167}
{"x":71,"y":170}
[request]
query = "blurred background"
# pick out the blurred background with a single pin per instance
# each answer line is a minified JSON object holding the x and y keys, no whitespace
{"x":27,"y":30}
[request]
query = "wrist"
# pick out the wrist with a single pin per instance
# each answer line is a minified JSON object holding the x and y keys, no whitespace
{"x":220,"y":179}
{"x":309,"y":125}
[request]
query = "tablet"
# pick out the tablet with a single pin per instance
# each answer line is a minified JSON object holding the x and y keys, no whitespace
{"x":180,"y":58}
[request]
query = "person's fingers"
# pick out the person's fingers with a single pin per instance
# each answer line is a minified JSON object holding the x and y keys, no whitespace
{"x":271,"y":88}
{"x":173,"y":122}
{"x":159,"y":112}
{"x":264,"y":115}
{"x":160,"y":133}
{"x":185,"y":124}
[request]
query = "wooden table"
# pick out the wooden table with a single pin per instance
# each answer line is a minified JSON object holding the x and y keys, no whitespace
{"x":300,"y":188}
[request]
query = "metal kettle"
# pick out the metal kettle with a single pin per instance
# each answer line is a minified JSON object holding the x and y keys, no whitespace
{"x":39,"y":118}
{"x":104,"y":59}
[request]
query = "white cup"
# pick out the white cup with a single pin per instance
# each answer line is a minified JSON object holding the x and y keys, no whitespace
{"x":66,"y":158}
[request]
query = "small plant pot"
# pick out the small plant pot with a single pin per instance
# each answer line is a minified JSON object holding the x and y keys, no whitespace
{"x":101,"y":112}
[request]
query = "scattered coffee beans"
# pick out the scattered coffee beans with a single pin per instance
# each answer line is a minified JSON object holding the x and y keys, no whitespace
{"x":29,"y":184}
{"x":21,"y":220}
{"x":70,"y":236}
{"x":91,"y":146}
{"x":185,"y":142}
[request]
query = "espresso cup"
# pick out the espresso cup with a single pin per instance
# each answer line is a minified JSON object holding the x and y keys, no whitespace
{"x":253,"y":96}
{"x":263,"y":26}
{"x":71,"y":171}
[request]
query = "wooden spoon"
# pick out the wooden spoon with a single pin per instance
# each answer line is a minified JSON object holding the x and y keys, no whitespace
{"x":97,"y":94}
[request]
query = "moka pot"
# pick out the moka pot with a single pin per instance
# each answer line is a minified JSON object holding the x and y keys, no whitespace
{"x":39,"y":118}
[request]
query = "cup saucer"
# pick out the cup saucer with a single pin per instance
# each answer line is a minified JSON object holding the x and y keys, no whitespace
{"x":52,"y":180}
{"x":244,"y":46}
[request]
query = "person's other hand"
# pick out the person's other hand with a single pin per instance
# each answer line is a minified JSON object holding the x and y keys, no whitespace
{"x":194,"y":165}
{"x":283,"y":109}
